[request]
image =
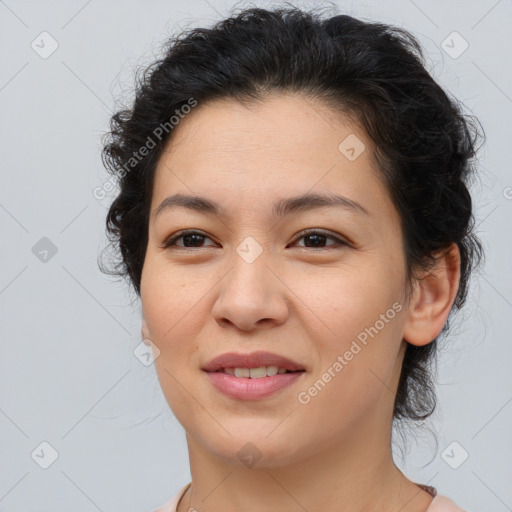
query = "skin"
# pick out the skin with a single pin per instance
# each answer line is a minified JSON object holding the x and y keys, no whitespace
{"x":305,"y":301}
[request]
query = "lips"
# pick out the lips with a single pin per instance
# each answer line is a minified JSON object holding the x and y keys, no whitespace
{"x":252,"y":360}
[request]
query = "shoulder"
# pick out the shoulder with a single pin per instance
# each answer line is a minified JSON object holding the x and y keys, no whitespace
{"x":440,"y":503}
{"x":170,"y":506}
{"x":443,"y":504}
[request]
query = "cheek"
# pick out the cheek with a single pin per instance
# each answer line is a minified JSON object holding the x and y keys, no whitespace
{"x":360,"y":334}
{"x":356,"y":370}
{"x":170,"y":320}
{"x":348,"y":300}
{"x":173,"y":301}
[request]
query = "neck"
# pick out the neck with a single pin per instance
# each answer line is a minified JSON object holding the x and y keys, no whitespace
{"x":355,"y":475}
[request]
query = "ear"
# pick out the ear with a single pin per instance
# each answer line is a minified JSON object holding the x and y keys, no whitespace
{"x":144,"y":331}
{"x":432,"y":298}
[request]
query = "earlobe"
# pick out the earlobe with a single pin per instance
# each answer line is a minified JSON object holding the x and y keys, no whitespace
{"x":432,"y":298}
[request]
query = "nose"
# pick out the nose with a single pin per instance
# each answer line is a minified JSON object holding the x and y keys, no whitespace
{"x":251,"y":296}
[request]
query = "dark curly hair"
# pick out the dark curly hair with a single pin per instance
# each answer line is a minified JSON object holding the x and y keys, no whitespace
{"x":422,"y":141}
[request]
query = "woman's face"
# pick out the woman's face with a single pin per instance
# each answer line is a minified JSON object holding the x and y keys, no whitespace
{"x":248,"y":280}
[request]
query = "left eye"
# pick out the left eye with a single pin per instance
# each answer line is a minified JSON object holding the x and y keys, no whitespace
{"x":195,"y":238}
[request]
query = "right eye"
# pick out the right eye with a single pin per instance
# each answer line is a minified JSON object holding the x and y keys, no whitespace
{"x":194,"y":238}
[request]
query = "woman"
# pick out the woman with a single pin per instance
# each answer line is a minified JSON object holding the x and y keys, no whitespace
{"x":295,"y":217}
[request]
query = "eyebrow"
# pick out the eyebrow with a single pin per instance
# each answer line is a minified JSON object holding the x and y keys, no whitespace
{"x":281,"y":208}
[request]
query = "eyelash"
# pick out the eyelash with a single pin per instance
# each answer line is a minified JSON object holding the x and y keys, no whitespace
{"x":168,"y":244}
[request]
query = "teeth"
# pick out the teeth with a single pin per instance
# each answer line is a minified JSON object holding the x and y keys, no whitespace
{"x":242,"y":372}
{"x":254,"y":373}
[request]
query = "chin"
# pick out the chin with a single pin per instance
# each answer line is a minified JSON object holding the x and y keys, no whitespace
{"x":255,"y":448}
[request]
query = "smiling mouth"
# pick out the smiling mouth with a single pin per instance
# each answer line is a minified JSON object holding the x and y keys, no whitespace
{"x":252,"y":383}
{"x":255,"y":373}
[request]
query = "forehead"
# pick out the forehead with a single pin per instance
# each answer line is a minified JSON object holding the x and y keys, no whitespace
{"x":275,"y":126}
{"x":284,"y":145}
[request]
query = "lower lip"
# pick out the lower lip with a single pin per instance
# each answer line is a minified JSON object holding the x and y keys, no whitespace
{"x":243,"y":388}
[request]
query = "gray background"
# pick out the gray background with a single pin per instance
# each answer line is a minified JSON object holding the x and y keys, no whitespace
{"x":68,"y":374}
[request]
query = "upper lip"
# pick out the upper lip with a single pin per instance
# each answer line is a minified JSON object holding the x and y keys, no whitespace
{"x":252,"y":360}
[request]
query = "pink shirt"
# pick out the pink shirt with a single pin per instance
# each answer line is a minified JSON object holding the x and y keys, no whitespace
{"x":439,"y":503}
